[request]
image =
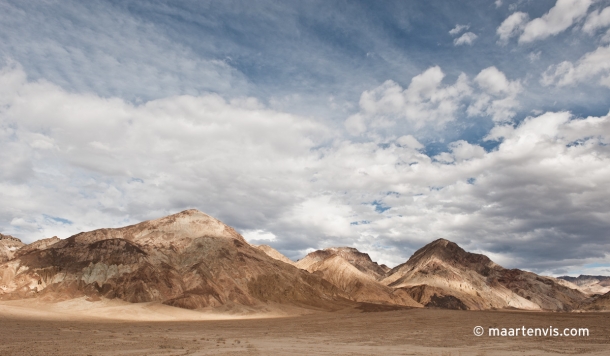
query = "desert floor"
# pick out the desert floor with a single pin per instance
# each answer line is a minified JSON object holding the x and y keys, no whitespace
{"x":398,"y":332}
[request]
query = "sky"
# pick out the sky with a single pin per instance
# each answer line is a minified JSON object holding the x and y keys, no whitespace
{"x":311,"y":124}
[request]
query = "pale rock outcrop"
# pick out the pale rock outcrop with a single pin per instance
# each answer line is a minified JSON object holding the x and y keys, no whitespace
{"x":589,"y":284}
{"x":8,"y":247}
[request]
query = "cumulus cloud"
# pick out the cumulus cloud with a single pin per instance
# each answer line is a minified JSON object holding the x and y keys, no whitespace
{"x":425,"y":101}
{"x":467,"y":38}
{"x":593,"y":65}
{"x":597,"y":20}
{"x":544,"y":186}
{"x":559,"y":18}
{"x":81,"y":161}
{"x":512,"y":26}
{"x":82,"y":154}
{"x":498,"y":96}
{"x":429,"y":102}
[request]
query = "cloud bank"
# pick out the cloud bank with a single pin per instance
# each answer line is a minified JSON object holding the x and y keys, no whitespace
{"x":278,"y":177}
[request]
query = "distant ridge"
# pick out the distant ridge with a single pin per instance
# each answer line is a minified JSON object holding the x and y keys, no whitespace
{"x":590,"y":284}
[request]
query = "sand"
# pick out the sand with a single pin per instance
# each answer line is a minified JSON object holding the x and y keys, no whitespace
{"x":116,"y":328}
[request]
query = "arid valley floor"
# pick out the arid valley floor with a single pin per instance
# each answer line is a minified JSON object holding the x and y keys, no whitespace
{"x":394,"y":332}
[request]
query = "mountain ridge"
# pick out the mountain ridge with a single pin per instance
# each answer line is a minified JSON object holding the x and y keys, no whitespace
{"x":188,"y":260}
{"x":192,"y":260}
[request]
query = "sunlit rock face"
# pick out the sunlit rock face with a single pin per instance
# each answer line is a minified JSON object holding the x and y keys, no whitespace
{"x":8,"y":246}
{"x":188,"y":260}
{"x":444,"y":275}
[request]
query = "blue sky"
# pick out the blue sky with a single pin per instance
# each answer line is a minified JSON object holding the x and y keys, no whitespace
{"x":488,"y":120}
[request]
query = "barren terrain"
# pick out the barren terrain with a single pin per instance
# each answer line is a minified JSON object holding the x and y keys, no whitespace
{"x":350,"y":332}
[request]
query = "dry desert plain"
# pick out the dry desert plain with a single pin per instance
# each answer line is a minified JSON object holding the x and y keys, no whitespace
{"x":116,"y":328}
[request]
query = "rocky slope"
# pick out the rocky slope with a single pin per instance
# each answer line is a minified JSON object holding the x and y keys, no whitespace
{"x":445,"y":270}
{"x":361,"y":261}
{"x":8,"y":246}
{"x":590,"y":284}
{"x":354,"y":273}
{"x":189,"y":260}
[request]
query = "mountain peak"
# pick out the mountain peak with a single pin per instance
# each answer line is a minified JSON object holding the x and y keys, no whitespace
{"x":9,"y":238}
{"x":446,"y":251}
{"x":176,"y":230}
{"x":362,"y":261}
{"x":8,"y":246}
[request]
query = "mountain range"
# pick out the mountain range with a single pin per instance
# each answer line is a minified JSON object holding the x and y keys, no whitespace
{"x":192,"y":260}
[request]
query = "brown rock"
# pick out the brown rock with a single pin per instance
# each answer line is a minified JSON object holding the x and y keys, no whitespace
{"x":189,"y":260}
{"x":339,"y":266}
{"x":478,"y":282}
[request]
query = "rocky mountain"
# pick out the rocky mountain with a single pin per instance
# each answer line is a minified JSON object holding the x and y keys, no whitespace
{"x":8,"y":246}
{"x":188,"y":260}
{"x":443,"y":274}
{"x":192,"y":260}
{"x":590,"y":284}
{"x":339,"y":266}
{"x":361,"y":261}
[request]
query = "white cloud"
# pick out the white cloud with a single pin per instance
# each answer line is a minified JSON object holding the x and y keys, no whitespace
{"x":467,"y":38}
{"x":458,"y":29}
{"x":463,"y":150}
{"x":409,"y":141}
{"x":425,"y":101}
{"x":597,"y":20}
{"x":498,"y":96}
{"x":560,"y":17}
{"x":553,"y":164}
{"x":429,"y":102}
{"x":595,"y":64}
{"x":143,"y":161}
{"x":498,"y":3}
{"x":101,"y":162}
{"x":512,"y":26}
